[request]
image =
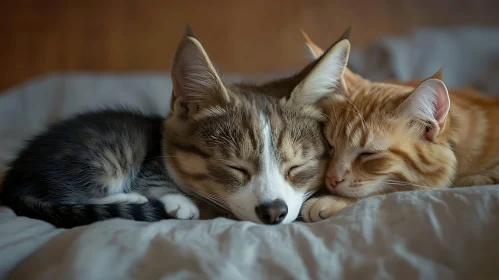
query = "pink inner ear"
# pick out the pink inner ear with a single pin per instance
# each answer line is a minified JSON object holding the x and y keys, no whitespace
{"x":430,"y":103}
{"x":442,"y":103}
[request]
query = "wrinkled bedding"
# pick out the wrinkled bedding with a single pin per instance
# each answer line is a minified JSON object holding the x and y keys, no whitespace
{"x":449,"y":234}
{"x":440,"y":234}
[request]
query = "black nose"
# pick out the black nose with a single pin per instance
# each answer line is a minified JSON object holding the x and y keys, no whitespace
{"x":272,"y":212}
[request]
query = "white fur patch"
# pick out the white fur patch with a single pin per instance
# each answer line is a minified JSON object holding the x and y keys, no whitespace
{"x":267,"y":186}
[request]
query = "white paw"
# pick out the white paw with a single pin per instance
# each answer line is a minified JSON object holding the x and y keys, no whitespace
{"x":180,"y":207}
{"x":134,"y":198}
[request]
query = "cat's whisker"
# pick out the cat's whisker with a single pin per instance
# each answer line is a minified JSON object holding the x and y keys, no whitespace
{"x":397,"y":184}
{"x":333,"y":105}
{"x":214,"y":197}
{"x":328,"y":118}
{"x":394,"y":190}
{"x":308,"y":194}
{"x":213,"y":200}
{"x":334,"y":110}
{"x":408,"y":184}
{"x":388,"y":184}
{"x":347,"y":109}
{"x":221,"y":207}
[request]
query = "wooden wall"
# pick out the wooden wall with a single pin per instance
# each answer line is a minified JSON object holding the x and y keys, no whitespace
{"x":41,"y":36}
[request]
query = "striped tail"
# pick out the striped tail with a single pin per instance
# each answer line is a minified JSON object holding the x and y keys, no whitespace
{"x":73,"y":215}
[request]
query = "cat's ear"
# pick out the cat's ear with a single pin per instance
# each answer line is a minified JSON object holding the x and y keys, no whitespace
{"x":325,"y":76}
{"x":429,"y":103}
{"x":196,"y":82}
{"x":313,"y":50}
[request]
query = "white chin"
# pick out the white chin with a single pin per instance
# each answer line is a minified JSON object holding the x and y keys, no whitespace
{"x":292,"y":214}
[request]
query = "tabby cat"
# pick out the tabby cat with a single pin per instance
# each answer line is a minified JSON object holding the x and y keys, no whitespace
{"x":234,"y":146}
{"x":388,"y":137}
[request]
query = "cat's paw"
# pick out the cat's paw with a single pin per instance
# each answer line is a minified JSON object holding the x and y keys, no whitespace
{"x":180,"y":207}
{"x":321,"y":208}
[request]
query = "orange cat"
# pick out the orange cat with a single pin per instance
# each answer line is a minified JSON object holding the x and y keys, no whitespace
{"x":388,"y":137}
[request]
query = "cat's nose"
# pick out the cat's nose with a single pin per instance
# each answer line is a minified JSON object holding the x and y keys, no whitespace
{"x":334,"y":180}
{"x":272,"y":212}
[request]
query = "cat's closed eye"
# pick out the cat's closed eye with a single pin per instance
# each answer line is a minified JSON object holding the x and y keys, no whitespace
{"x":293,"y":169}
{"x":365,"y":155}
{"x":240,"y":170}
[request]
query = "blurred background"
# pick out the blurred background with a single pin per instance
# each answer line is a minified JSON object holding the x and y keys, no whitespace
{"x":256,"y":36}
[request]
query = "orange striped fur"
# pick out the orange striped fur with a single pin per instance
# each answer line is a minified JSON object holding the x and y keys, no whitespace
{"x":378,"y":150}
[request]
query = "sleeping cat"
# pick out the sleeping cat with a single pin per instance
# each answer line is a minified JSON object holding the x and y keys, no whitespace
{"x":248,"y":154}
{"x":388,"y":137}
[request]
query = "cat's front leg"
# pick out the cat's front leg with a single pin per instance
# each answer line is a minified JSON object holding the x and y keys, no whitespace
{"x":321,"y":208}
{"x":176,"y":204}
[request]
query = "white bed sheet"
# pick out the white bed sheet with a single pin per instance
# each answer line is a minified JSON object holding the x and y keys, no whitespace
{"x":450,"y":234}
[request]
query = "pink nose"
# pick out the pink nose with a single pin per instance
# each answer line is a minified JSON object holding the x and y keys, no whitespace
{"x":333,"y":181}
